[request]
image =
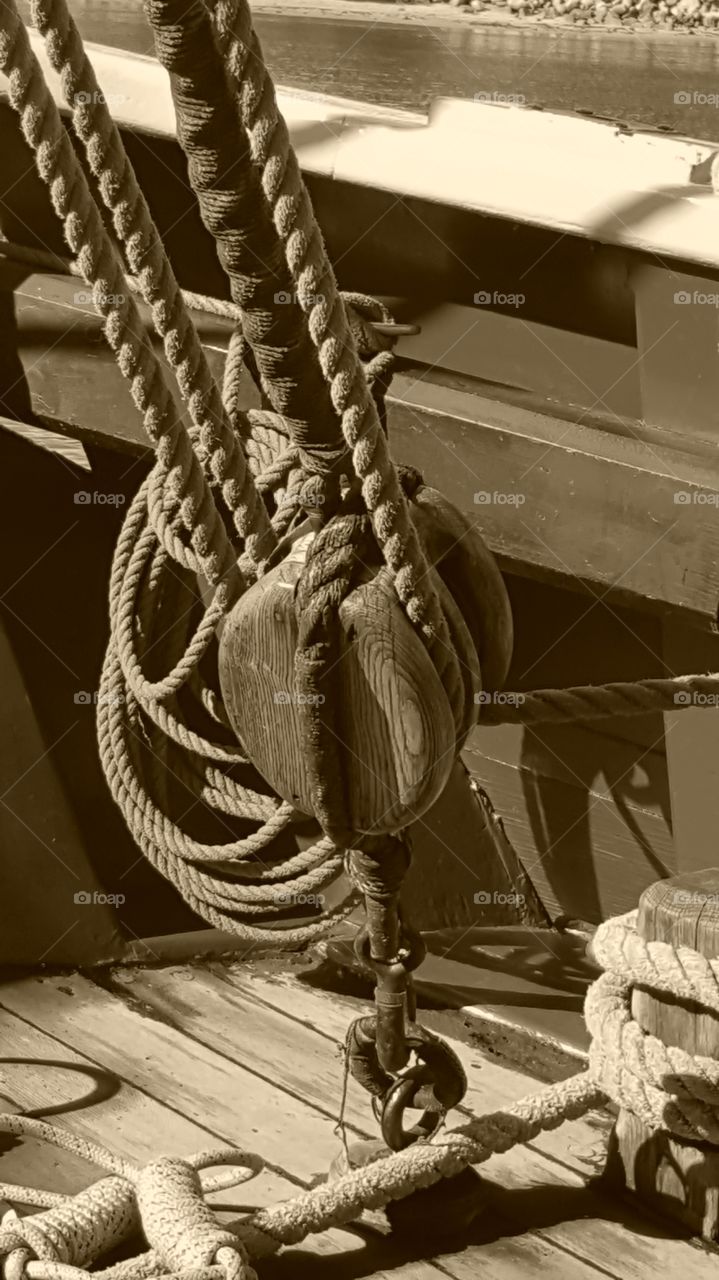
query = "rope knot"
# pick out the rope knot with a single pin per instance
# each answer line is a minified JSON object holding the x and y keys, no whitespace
{"x":181,"y":1227}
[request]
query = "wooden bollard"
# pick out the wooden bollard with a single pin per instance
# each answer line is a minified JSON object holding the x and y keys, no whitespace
{"x":674,"y":1176}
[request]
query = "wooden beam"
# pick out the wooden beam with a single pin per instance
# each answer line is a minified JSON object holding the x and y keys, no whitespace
{"x":676,"y":312}
{"x":617,"y":512}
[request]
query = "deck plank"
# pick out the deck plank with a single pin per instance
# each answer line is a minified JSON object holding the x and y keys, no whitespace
{"x":137,"y":1123}
{"x":592,"y":1228}
{"x":581,"y":1144}
{"x":127,"y":1121}
{"x":173,"y":1068}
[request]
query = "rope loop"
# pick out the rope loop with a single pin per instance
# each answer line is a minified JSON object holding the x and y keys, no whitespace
{"x":181,"y":1227}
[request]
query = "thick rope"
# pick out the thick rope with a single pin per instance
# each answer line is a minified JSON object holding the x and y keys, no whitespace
{"x":184,"y":46}
{"x":147,"y":262}
{"x":184,"y":518}
{"x":596,"y":702}
{"x":142,"y":720}
{"x":667,"y":1088}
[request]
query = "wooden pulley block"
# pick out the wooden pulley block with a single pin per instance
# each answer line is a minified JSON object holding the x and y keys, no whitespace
{"x":395,"y":730}
{"x":469,"y":571}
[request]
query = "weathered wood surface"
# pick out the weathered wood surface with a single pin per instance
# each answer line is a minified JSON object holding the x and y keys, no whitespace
{"x":130,"y":1122}
{"x":393,"y":727}
{"x":526,"y":1182}
{"x":204,"y":1056}
{"x":160,"y":1095}
{"x":587,"y":813}
{"x":459,"y":851}
{"x":692,"y":748}
{"x":466,"y":566}
{"x":279,"y":1009}
{"x":675,"y":1176}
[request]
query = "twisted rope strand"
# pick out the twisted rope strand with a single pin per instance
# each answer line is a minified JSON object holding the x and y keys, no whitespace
{"x":147,"y":261}
{"x":329,"y":329}
{"x":206,"y":546}
{"x":173,"y":517}
{"x":596,"y":702}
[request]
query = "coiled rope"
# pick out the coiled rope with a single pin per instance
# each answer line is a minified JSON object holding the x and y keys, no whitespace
{"x":148,"y":741}
{"x":201,"y":475}
{"x":666,"y":1087}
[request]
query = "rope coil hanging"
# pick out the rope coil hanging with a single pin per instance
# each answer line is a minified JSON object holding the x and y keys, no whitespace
{"x":143,"y":729}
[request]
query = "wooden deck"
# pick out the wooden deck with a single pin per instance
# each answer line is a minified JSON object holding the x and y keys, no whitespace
{"x":180,"y":1057}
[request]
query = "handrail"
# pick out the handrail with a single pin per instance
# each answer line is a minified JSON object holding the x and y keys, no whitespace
{"x":575,"y":176}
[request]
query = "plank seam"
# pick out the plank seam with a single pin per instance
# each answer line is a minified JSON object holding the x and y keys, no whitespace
{"x":141,"y":1089}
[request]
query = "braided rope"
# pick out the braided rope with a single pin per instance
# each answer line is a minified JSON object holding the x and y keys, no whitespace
{"x":666,"y":1087}
{"x":319,"y":300}
{"x":142,"y":720}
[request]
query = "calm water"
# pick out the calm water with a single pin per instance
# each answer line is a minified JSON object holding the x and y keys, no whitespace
{"x":628,"y":79}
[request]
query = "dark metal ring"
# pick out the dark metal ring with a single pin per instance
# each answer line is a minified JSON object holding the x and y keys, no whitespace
{"x":436,"y":1084}
{"x":401,"y":1095}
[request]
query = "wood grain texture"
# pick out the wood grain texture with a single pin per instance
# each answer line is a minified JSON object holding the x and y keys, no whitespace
{"x":586,"y":814}
{"x":130,"y":1122}
{"x":676,"y":1177}
{"x":460,"y":851}
{"x":139,"y":1124}
{"x":692,"y":747}
{"x":279,"y":1008}
{"x":395,"y":731}
{"x":530,"y":1191}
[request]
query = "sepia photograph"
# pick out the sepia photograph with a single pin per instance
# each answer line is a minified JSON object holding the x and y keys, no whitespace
{"x":359,"y":639}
